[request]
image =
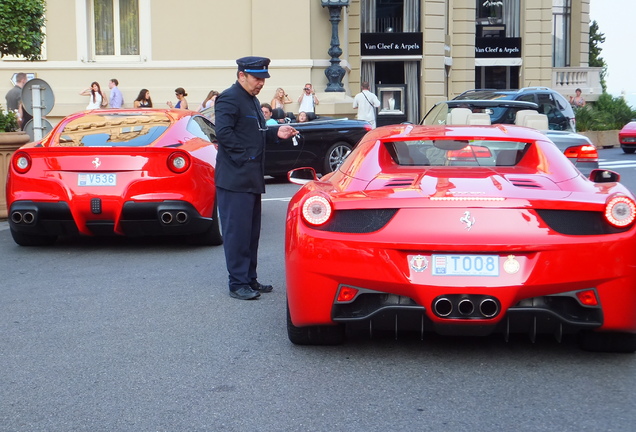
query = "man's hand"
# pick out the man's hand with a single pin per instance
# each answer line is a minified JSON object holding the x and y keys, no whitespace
{"x":286,"y":132}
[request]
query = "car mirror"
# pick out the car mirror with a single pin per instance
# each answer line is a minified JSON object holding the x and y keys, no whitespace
{"x":302,"y":176}
{"x":604,"y":176}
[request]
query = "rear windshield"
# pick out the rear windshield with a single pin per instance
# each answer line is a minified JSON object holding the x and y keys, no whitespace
{"x":450,"y":152}
{"x":114,"y":130}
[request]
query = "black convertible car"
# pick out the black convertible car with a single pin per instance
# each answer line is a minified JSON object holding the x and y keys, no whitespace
{"x":323,"y":143}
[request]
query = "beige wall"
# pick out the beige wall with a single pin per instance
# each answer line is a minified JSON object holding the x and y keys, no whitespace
{"x":195,"y":47}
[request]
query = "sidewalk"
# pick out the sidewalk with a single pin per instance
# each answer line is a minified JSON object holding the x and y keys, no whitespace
{"x":4,"y":224}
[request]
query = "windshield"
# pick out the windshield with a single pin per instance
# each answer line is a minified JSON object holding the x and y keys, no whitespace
{"x":452,"y":152}
{"x":114,"y":130}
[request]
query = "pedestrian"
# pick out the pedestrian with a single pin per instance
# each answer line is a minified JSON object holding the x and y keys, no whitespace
{"x":239,"y":176}
{"x":98,"y":98}
{"x":208,"y":102}
{"x":577,"y":101}
{"x":143,"y":99}
{"x":14,"y":99}
{"x":366,"y":103}
{"x":116,"y":98}
{"x":308,"y":99}
{"x":182,"y":103}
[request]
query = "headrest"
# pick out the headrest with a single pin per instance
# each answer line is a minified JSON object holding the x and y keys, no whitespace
{"x":311,"y":116}
{"x":458,"y":116}
{"x":278,"y":114}
{"x":478,"y":119}
{"x":537,"y":121}
{"x":521,"y":115}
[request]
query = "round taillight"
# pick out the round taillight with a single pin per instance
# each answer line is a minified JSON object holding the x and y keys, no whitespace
{"x":317,"y":210}
{"x":179,"y":162}
{"x":620,"y":211}
{"x":22,"y":162}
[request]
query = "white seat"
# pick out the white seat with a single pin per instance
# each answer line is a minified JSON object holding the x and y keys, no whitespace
{"x":478,"y":119}
{"x":537,"y":121}
{"x":458,"y":116}
{"x":521,"y":114}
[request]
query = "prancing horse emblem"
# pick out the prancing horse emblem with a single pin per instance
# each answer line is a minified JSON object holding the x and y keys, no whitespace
{"x":96,"y":162}
{"x":468,"y":220}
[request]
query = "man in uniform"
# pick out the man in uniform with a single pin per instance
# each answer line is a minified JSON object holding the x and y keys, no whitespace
{"x":242,"y":133}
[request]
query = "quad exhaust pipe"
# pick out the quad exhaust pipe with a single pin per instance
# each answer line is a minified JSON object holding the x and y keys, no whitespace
{"x":466,"y":306}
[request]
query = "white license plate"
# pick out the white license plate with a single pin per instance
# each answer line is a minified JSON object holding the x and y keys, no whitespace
{"x":465,"y":265}
{"x":98,"y":179}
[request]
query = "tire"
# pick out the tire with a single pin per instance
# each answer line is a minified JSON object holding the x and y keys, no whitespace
{"x":629,"y":150}
{"x":210,"y":237}
{"x":31,"y":239}
{"x":335,"y":156}
{"x":608,"y":342}
{"x":314,"y":335}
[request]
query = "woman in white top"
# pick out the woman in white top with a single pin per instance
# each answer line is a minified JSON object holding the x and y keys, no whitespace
{"x":280,"y":99}
{"x":95,"y":92}
{"x":208,"y":101}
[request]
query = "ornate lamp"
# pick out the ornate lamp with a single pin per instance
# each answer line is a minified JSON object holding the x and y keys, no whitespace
{"x":335,"y":72}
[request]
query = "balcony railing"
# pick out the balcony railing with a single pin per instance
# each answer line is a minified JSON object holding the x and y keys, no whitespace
{"x":566,"y":80}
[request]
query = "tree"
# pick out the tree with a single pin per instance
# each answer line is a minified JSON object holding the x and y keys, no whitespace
{"x":595,"y":59}
{"x":21,"y":24}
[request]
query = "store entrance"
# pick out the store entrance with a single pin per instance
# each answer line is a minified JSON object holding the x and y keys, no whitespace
{"x":390,"y":74}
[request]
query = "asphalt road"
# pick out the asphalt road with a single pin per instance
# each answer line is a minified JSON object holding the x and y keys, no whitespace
{"x":122,"y":335}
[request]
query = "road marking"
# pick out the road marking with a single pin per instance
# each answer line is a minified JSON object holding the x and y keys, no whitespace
{"x":285,"y":199}
{"x":616,"y":164}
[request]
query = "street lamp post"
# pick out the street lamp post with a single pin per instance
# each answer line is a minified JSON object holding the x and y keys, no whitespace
{"x":335,"y":72}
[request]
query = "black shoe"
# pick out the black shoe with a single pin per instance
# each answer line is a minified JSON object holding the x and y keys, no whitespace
{"x":257,"y":286}
{"x":245,"y":293}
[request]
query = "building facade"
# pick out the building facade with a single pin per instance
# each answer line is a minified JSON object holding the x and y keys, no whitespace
{"x":413,"y":52}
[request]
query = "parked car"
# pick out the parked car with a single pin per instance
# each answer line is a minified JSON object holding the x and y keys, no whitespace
{"x":627,"y":137}
{"x":323,"y":143}
{"x":465,"y":230}
{"x":549,"y":102}
{"x":125,"y":172}
{"x":578,"y":148}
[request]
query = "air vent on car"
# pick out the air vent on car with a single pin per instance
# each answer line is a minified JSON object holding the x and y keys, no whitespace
{"x":526,"y":183}
{"x":399,"y":182}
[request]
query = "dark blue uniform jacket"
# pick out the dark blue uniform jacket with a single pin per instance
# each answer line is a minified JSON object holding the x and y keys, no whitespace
{"x":240,"y":160}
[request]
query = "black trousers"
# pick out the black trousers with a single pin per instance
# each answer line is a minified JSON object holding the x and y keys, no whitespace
{"x":240,"y":216}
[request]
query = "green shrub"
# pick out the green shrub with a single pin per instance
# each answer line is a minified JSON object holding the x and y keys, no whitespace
{"x":607,"y":113}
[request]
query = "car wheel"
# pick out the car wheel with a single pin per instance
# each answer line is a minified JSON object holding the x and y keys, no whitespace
{"x":629,"y":150}
{"x":32,"y":239}
{"x":212,"y":236}
{"x":314,"y":335}
{"x":336,"y":155}
{"x":608,"y":342}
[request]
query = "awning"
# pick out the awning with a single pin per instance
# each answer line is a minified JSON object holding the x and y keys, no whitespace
{"x":511,"y":61}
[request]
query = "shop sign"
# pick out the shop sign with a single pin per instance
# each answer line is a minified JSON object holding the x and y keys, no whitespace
{"x":391,"y":44}
{"x":494,"y":47}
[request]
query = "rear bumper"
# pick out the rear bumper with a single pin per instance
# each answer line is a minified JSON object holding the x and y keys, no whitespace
{"x":135,"y":219}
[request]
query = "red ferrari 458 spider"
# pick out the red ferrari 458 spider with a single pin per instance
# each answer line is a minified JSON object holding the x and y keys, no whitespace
{"x":461,"y":230}
{"x":127,"y":172}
